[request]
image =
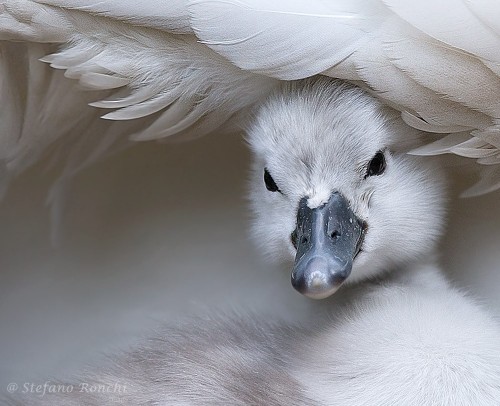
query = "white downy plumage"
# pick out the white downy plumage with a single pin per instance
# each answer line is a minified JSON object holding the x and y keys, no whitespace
{"x":187,"y":66}
{"x":401,"y":336}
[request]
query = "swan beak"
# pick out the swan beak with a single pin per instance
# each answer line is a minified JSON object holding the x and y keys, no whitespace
{"x":327,"y":239}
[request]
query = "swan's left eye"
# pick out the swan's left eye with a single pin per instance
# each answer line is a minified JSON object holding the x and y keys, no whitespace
{"x":376,"y":165}
{"x":270,"y":183}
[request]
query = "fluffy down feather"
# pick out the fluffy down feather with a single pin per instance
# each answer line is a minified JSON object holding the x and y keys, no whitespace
{"x":406,"y":340}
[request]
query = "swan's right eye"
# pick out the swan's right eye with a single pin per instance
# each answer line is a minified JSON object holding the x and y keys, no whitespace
{"x":377,"y":165}
{"x":270,"y":183}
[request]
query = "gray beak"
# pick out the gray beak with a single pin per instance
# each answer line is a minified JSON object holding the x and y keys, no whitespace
{"x":327,"y":239}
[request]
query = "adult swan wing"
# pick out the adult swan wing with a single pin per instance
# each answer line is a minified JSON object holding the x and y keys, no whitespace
{"x":161,"y":68}
{"x":438,"y":62}
{"x":122,"y":71}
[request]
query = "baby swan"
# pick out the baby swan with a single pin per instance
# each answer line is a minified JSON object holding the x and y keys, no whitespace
{"x":339,"y":194}
{"x":330,"y":190}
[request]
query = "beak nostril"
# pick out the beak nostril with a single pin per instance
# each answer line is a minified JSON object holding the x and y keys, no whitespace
{"x":335,"y":234}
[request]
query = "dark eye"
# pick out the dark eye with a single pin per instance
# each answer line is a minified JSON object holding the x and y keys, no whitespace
{"x":270,"y":183}
{"x":376,"y":165}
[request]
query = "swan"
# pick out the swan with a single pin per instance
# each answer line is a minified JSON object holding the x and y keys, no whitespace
{"x":184,"y":68}
{"x":333,"y":192}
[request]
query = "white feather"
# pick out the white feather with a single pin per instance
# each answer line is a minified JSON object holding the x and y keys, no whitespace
{"x":452,"y":22}
{"x":462,"y":79}
{"x":412,"y":334}
{"x":398,"y":89}
{"x":486,"y":11}
{"x":294,"y":32}
{"x":161,"y":72}
{"x":443,"y":145}
{"x":168,"y":15}
{"x":436,"y":62}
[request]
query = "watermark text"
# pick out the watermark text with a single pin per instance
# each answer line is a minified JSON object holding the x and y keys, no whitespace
{"x":48,"y":387}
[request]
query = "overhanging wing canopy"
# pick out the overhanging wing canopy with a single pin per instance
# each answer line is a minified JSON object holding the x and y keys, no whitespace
{"x":159,"y":69}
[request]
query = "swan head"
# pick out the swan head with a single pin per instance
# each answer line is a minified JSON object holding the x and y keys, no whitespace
{"x":332,"y":191}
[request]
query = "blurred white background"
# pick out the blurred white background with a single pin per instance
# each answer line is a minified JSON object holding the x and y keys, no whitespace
{"x":155,"y":233}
